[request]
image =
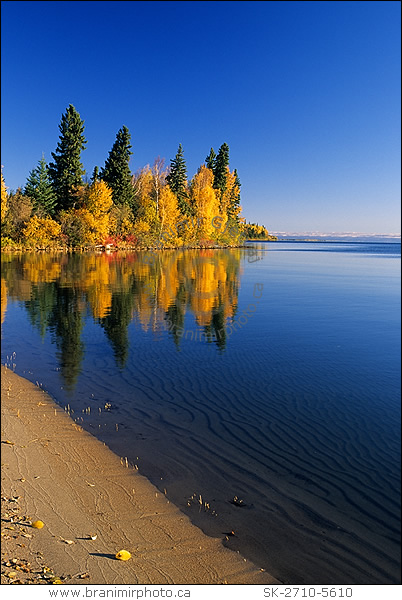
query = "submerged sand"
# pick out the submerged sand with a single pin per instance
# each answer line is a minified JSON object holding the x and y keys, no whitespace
{"x":54,"y":471}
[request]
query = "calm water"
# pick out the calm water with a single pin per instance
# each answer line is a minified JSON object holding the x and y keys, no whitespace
{"x":269,"y":374}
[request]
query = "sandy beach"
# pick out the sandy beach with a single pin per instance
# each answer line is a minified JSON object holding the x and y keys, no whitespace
{"x":55,"y":472}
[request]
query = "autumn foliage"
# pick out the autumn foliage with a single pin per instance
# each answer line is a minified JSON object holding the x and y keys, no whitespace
{"x":4,"y":198}
{"x":42,"y":231}
{"x":156,"y":206}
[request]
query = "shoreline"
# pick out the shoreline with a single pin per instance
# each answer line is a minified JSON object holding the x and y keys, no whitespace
{"x":109,"y":248}
{"x":55,"y":471}
{"x":103,"y":249}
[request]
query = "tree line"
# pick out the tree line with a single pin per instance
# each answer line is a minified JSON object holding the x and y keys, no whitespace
{"x":58,"y":206}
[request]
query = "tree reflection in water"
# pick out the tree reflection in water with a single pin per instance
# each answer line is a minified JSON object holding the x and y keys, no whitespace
{"x":59,"y":291}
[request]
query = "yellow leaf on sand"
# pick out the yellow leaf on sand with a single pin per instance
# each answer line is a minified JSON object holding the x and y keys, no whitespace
{"x":38,"y":524}
{"x":8,"y":442}
{"x":123,"y":555}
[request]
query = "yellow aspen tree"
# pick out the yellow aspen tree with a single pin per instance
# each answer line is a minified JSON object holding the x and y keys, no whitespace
{"x":4,"y":198}
{"x":95,"y":229}
{"x":99,"y":199}
{"x":143,"y":193}
{"x":168,"y":210}
{"x":42,"y":231}
{"x":204,"y":200}
{"x":120,"y":221}
{"x":95,"y":213}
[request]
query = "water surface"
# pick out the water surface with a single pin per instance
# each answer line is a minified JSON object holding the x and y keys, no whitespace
{"x":268,"y":374}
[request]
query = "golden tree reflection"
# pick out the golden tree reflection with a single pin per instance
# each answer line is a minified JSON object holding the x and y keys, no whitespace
{"x":157,"y":291}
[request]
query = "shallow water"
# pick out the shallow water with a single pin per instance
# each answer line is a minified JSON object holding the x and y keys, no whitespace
{"x":269,"y":374}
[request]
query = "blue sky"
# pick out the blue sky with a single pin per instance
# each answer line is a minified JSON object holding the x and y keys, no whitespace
{"x":306,"y":94}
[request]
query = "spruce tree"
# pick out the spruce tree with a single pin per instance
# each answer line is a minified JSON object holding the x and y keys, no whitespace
{"x":95,"y":175}
{"x":234,"y":203}
{"x":116,"y":172}
{"x":67,"y":170}
{"x":40,"y":190}
{"x":210,"y":160}
{"x":177,"y":180}
{"x":221,"y":162}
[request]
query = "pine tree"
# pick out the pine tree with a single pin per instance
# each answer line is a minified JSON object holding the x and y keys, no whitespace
{"x":220,"y":166}
{"x":40,"y":190}
{"x":177,"y":180}
{"x":67,"y":170}
{"x":210,"y":160}
{"x":95,"y":175}
{"x":116,"y":172}
{"x":234,"y":208}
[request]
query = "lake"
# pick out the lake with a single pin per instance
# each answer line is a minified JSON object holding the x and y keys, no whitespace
{"x":259,"y":388}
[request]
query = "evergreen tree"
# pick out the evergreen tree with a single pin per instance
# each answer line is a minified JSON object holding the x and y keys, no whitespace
{"x":220,"y":166}
{"x":67,"y":170}
{"x":233,"y":209}
{"x":95,"y":175}
{"x":116,"y":172}
{"x":210,"y":160}
{"x":177,"y":180}
{"x":40,"y":190}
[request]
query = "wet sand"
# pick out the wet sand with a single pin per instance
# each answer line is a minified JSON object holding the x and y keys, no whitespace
{"x":54,"y":471}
